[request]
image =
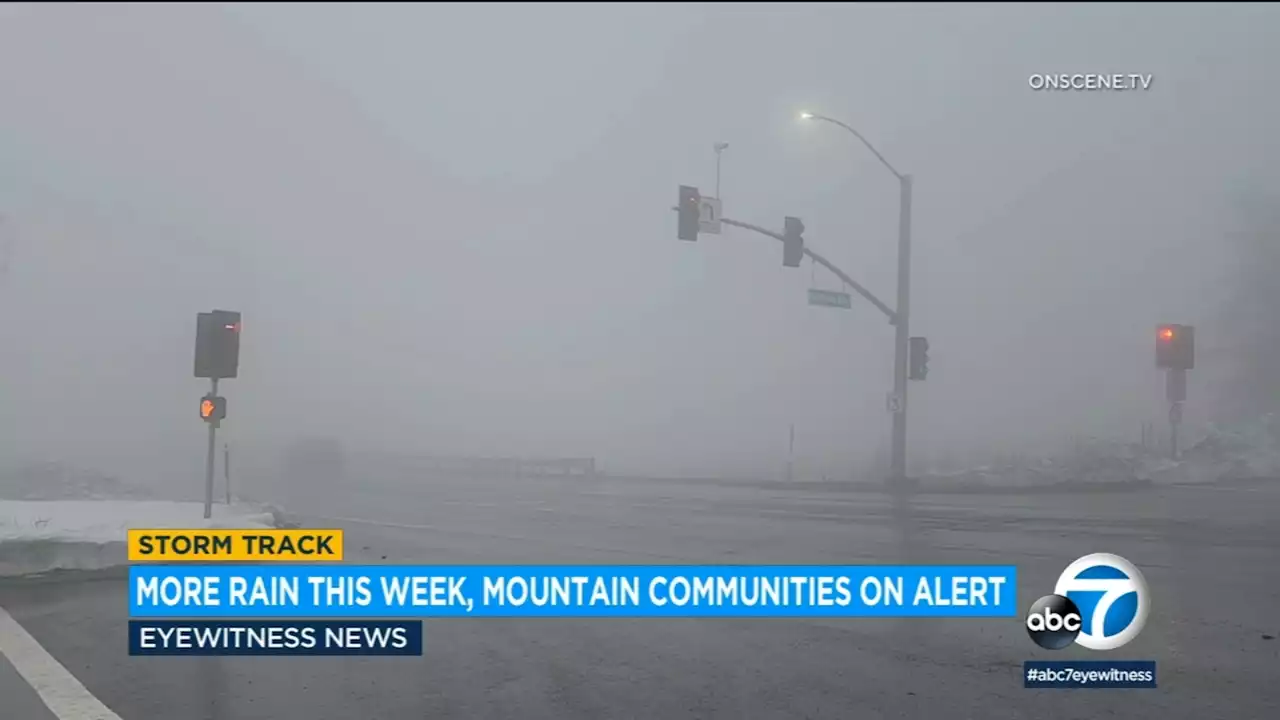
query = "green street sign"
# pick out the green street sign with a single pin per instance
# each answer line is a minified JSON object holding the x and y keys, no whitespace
{"x":828,"y":298}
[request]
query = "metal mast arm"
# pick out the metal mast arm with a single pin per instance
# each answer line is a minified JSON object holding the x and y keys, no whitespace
{"x":893,"y":317}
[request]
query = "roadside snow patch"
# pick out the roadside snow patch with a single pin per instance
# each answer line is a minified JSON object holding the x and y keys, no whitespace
{"x":1247,"y":451}
{"x":40,"y":536}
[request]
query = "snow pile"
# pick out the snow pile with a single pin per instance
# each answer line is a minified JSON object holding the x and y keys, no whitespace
{"x":1094,"y":464}
{"x":1249,"y":451}
{"x":41,"y":535}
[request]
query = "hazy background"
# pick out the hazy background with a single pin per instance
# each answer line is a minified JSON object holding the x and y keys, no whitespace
{"x":448,"y":227}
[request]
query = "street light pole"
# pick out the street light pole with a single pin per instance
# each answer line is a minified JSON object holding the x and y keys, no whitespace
{"x":902,"y":312}
{"x":719,"y":147}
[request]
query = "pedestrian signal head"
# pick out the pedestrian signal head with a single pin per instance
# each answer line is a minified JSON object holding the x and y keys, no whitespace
{"x":213,"y":408}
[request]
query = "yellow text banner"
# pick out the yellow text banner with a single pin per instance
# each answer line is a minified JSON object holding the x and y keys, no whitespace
{"x":205,"y":545}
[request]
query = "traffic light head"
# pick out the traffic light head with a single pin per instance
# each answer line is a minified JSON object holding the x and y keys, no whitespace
{"x":217,"y":344}
{"x":1175,"y":347}
{"x":918,"y":358}
{"x":213,"y":408}
{"x":792,"y":241}
{"x":689,"y":213}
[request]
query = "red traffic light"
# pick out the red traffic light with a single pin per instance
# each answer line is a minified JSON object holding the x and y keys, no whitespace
{"x":1175,"y":346}
{"x":207,"y":408}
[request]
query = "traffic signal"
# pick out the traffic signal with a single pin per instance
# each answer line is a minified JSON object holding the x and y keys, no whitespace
{"x":213,"y":408}
{"x":918,"y":358}
{"x":1175,"y":347}
{"x":689,"y":213}
{"x":792,"y":241}
{"x":217,"y":344}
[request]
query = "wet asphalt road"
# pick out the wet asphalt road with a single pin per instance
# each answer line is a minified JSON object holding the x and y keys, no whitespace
{"x":1210,"y":554}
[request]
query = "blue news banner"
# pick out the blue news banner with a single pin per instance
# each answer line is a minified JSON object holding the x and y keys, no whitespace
{"x":224,"y":594}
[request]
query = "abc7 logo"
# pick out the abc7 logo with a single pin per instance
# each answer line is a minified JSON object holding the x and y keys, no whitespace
{"x":1053,"y":622}
{"x":1114,"y":603}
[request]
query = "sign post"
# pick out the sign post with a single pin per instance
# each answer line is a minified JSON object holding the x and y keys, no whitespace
{"x":1175,"y":390}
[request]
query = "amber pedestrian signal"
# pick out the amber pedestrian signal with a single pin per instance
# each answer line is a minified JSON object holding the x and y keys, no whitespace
{"x":213,"y":408}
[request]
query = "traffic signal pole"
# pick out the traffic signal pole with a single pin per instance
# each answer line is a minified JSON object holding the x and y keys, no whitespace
{"x":226,"y":470}
{"x":1176,"y":392}
{"x":901,"y":319}
{"x":904,"y":366}
{"x":208,"y":463}
{"x":217,"y":358}
{"x":1176,"y":354}
{"x":902,"y":333}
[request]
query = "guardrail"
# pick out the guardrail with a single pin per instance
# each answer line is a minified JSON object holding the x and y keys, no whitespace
{"x":502,"y":467}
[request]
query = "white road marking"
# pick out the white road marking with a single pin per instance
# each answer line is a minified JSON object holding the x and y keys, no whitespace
{"x":61,"y":692}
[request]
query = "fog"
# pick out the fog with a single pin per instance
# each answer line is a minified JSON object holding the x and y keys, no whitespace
{"x":449,"y":227}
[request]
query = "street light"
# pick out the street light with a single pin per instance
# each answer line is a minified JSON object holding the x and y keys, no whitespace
{"x":902,"y":313}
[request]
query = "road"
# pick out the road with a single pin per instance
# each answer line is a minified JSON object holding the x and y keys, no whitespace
{"x":1209,"y":554}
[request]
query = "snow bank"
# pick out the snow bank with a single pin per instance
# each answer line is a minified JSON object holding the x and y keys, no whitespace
{"x":1247,"y":451}
{"x":37,"y":536}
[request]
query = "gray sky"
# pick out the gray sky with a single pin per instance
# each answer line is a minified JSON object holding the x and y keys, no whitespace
{"x":448,"y":226}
